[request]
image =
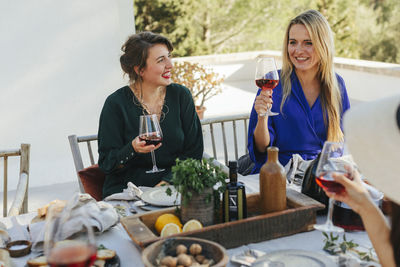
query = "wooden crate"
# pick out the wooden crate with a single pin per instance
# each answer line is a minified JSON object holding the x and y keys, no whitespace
{"x":299,"y":216}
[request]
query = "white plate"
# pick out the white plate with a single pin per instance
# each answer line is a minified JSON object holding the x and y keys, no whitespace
{"x":295,"y":258}
{"x":156,"y":196}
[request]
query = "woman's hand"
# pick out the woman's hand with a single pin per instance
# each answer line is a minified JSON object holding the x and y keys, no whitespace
{"x":355,"y":194}
{"x":140,"y":146}
{"x":261,"y":134}
{"x":358,"y":198}
{"x":263,"y":101}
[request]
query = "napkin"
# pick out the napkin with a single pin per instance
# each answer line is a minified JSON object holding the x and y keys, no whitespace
{"x":4,"y":236}
{"x":129,"y":193}
{"x":295,"y":170}
{"x":101,"y":216}
{"x":17,"y":231}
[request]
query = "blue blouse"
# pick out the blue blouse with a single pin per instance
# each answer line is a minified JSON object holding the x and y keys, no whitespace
{"x":299,"y":129}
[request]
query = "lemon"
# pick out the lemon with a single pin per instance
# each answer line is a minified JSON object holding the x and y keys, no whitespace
{"x":192,"y":225}
{"x":170,"y":229}
{"x":164,"y":220}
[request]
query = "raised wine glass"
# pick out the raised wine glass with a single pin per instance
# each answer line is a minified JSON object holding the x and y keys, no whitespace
{"x":267,"y":78}
{"x":329,"y":163}
{"x":69,"y":238}
{"x":150,"y":132}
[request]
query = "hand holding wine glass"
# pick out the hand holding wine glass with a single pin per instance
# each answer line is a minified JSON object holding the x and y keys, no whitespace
{"x":69,"y":238}
{"x":355,"y":194}
{"x":150,"y":132}
{"x":267,"y":79}
{"x":328,"y":165}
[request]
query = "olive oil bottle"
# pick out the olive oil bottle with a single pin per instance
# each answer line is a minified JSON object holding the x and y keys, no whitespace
{"x":234,"y":197}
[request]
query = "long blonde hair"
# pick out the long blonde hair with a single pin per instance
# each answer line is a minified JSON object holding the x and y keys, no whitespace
{"x":322,"y":39}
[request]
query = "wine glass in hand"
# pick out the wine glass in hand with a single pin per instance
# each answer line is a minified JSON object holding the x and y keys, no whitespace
{"x":267,"y":78}
{"x":69,"y":238}
{"x":150,"y":132}
{"x":327,"y":165}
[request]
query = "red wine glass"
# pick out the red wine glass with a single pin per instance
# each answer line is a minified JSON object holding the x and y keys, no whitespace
{"x":150,"y":132}
{"x":69,"y":238}
{"x":328,"y":164}
{"x":267,"y":78}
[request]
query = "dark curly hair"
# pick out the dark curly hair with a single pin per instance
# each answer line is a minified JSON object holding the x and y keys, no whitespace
{"x":136,"y":51}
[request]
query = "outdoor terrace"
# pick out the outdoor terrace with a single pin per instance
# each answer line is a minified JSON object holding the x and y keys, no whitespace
{"x":365,"y":81}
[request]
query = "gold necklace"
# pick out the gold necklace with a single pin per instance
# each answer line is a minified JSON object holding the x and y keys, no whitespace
{"x":145,"y":109}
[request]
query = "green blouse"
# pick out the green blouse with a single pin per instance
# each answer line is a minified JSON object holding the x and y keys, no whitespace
{"x":119,"y":125}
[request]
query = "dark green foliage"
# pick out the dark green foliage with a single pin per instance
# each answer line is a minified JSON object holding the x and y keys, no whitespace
{"x":193,"y":175}
{"x":366,"y":29}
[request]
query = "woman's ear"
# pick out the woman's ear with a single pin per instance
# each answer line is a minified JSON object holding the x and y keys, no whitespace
{"x":136,"y":69}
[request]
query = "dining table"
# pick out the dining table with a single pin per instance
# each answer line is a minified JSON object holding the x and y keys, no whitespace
{"x":116,"y":238}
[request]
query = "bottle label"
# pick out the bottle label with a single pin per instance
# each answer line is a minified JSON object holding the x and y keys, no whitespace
{"x":240,"y":203}
{"x":233,"y":200}
{"x":234,"y":204}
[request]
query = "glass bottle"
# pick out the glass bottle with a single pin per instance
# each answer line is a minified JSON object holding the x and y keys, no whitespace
{"x":272,"y":183}
{"x":234,"y":198}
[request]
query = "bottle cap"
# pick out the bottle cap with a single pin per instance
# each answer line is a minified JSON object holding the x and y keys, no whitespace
{"x":232,"y":164}
{"x":273,"y":148}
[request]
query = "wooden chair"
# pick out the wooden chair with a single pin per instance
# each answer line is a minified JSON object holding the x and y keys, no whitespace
{"x":216,"y":128}
{"x":20,"y":202}
{"x":90,"y":178}
{"x":94,"y":184}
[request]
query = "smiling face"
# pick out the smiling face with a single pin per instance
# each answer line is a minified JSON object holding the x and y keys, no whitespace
{"x":158,"y":66}
{"x":301,"y":51}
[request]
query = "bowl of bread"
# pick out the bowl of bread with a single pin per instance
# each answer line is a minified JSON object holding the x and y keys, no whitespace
{"x":185,"y":251}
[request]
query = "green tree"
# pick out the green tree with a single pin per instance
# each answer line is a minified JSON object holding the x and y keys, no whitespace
{"x":380,"y":35}
{"x":367,"y":29}
{"x":340,"y":15}
{"x":166,"y":17}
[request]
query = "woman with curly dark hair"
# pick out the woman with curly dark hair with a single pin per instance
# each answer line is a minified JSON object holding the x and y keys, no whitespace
{"x":123,"y":156}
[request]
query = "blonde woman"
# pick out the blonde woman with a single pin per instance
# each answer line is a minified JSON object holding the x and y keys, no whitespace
{"x":310,"y":97}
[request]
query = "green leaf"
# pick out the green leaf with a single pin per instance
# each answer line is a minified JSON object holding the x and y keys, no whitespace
{"x":192,"y":175}
{"x":168,"y":191}
{"x":334,"y":247}
{"x":343,"y":247}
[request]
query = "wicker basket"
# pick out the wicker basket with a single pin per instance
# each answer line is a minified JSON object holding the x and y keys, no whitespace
{"x":198,"y":208}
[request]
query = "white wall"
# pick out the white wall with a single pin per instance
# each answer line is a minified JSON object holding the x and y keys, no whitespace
{"x":59,"y":60}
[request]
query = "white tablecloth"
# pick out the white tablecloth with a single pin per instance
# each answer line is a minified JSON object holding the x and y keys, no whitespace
{"x":130,"y":255}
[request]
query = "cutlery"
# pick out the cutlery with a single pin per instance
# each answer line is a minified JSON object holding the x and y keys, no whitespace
{"x":139,"y":203}
{"x":131,"y":207}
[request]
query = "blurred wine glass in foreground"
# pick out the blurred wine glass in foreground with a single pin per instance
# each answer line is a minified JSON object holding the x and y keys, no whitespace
{"x":329,"y":163}
{"x":69,"y":239}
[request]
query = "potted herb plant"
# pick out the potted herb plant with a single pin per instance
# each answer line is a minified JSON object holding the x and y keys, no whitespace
{"x":200,"y":184}
{"x":202,"y":82}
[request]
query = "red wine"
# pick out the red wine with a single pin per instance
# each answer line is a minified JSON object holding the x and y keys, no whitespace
{"x":75,"y":255}
{"x":329,"y":184}
{"x":343,"y":216}
{"x":151,"y":139}
{"x":267,"y":84}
